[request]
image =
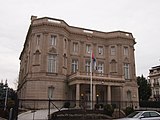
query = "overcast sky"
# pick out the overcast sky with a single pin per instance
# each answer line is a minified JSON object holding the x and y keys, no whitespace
{"x":140,"y":17}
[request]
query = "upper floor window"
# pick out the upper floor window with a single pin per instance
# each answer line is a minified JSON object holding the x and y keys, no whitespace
{"x":53,"y":40}
{"x":87,"y":66}
{"x":52,"y":63}
{"x":88,"y":48}
{"x":126,"y":51}
{"x":38,"y":40}
{"x":100,"y":50}
{"x":75,"y":47}
{"x":157,"y":91}
{"x":74,"y":65}
{"x":100,"y":67}
{"x":126,"y":71}
{"x":113,"y":50}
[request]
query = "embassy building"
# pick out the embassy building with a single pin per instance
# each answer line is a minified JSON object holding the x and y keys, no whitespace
{"x":57,"y":56}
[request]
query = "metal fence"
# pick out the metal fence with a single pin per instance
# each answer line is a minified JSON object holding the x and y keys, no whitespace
{"x":58,"y":105}
{"x":22,"y":105}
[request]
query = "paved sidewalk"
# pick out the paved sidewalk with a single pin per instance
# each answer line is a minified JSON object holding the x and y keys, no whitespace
{"x":35,"y":115}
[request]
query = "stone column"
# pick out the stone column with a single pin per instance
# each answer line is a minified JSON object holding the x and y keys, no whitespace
{"x":109,"y":93}
{"x":77,"y":94}
{"x":121,"y":93}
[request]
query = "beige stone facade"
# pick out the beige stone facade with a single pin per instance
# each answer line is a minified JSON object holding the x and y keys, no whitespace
{"x":154,"y":80}
{"x":57,"y":55}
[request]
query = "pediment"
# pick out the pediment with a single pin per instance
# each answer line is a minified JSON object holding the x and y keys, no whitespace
{"x":52,"y":50}
{"x":37,"y":52}
{"x":126,"y":60}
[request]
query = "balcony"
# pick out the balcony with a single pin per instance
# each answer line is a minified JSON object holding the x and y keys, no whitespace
{"x":96,"y":77}
{"x":156,"y":85}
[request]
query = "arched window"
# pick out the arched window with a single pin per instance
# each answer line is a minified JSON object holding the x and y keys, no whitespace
{"x":37,"y":57}
{"x":113,"y":66}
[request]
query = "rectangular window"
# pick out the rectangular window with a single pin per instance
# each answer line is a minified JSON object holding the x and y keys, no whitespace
{"x":53,"y":40}
{"x":88,"y":48}
{"x":75,"y":47}
{"x":74,"y":65}
{"x":157,"y":91}
{"x":87,"y":66}
{"x":100,"y":68}
{"x":113,"y":50}
{"x":38,"y":40}
{"x":52,"y":64}
{"x":50,"y":91}
{"x":126,"y":71}
{"x":100,"y":50}
{"x":126,"y":51}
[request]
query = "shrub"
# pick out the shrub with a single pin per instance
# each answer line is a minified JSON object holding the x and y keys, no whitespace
{"x":108,"y":109}
{"x":66,"y":105}
{"x":97,"y":106}
{"x":129,"y":110}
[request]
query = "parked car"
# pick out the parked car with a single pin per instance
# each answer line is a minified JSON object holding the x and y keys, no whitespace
{"x":142,"y":115}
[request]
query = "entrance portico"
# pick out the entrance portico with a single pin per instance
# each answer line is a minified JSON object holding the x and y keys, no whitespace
{"x":104,"y":90}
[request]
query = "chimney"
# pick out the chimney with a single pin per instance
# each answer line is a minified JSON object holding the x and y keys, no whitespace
{"x":33,"y":18}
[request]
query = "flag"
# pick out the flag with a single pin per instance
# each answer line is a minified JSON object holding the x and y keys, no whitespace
{"x":94,"y":62}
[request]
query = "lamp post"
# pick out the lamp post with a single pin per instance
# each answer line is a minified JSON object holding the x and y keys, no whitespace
{"x":97,"y":98}
{"x":6,"y":97}
{"x":50,"y":95}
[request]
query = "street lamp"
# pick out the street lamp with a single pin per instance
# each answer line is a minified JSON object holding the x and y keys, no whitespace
{"x":97,"y":97}
{"x":6,"y":97}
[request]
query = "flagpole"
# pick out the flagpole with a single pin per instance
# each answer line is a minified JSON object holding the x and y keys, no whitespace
{"x":91,"y":81}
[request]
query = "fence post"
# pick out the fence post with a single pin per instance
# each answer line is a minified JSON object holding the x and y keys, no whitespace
{"x":16,"y":107}
{"x":11,"y":114}
{"x":49,"y":109}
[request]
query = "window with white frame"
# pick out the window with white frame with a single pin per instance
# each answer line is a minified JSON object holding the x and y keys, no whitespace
{"x":126,"y":51}
{"x":88,"y":48}
{"x":126,"y":71}
{"x":113,"y":50}
{"x":53,"y":40}
{"x":52,"y":63}
{"x":38,"y":40}
{"x":100,"y":50}
{"x":129,"y":95}
{"x":87,"y":66}
{"x":50,"y":91}
{"x":75,"y":47}
{"x":74,"y":65}
{"x":100,"y":67}
{"x":157,"y":91}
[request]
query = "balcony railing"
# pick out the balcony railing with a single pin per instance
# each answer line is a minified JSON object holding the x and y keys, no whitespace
{"x":156,"y":85}
{"x":96,"y":76}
